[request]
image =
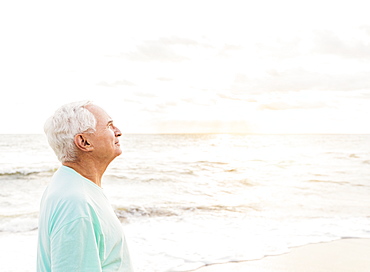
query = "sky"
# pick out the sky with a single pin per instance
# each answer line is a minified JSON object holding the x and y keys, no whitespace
{"x":189,"y":66}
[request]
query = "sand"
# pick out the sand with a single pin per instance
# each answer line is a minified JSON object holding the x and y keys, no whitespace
{"x":18,"y":251}
{"x":345,"y":255}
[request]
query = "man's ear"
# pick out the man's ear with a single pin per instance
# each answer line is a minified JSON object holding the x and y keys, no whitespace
{"x":82,"y":142}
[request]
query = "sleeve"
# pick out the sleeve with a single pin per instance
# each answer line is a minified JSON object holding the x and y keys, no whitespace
{"x":74,"y":248}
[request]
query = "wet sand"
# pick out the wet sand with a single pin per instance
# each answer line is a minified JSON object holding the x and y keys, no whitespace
{"x":345,"y":255}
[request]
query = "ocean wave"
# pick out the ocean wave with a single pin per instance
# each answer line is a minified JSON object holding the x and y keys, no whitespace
{"x":26,"y":171}
{"x":136,"y":211}
{"x":169,"y":211}
{"x":18,"y":222}
{"x":212,"y":162}
{"x":330,"y":181}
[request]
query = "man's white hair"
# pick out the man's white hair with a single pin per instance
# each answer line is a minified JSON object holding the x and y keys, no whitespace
{"x":68,"y":121}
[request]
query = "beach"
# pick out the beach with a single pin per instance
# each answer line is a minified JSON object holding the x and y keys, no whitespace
{"x":344,"y":255}
{"x":190,"y":202}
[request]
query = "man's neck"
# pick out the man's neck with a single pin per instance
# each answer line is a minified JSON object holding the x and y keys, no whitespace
{"x":89,"y":169}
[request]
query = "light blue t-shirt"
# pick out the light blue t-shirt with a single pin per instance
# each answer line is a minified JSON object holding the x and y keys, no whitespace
{"x":78,"y":229}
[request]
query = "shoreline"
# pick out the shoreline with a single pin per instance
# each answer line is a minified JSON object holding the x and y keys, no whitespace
{"x":343,"y":255}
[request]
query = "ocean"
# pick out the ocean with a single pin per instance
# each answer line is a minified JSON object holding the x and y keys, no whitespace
{"x":188,"y":200}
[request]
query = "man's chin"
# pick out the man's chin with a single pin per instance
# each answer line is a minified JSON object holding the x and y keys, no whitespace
{"x":119,"y":152}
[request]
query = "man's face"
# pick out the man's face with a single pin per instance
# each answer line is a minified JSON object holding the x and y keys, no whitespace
{"x":104,"y":140}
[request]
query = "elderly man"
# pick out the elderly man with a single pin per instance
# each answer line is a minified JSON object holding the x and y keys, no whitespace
{"x":78,"y":229}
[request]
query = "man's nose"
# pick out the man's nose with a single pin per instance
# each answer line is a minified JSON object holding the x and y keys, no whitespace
{"x":117,"y":132}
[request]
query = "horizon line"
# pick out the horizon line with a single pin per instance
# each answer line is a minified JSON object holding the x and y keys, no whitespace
{"x":208,"y":133}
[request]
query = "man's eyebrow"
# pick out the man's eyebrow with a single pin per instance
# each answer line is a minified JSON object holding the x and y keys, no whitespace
{"x":110,"y":122}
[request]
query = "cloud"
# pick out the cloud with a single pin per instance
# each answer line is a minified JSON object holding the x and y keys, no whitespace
{"x":159,"y":107}
{"x":204,"y":126}
{"x":298,"y":79}
{"x":154,"y":51}
{"x":145,"y":94}
{"x":293,"y":80}
{"x":280,"y":49}
{"x":116,"y":83}
{"x":164,"y":79}
{"x":229,"y":48}
{"x":173,"y":40}
{"x":164,"y":49}
{"x":327,"y":42}
{"x":235,"y":97}
{"x":279,"y":105}
{"x":365,"y":28}
{"x":365,"y":95}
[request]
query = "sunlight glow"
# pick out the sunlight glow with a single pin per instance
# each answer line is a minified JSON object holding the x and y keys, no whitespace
{"x":263,"y":67}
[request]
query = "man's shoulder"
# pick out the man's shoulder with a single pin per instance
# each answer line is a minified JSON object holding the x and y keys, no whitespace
{"x":70,"y":193}
{"x":65,"y":201}
{"x":66,"y":180}
{"x":65,"y":189}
